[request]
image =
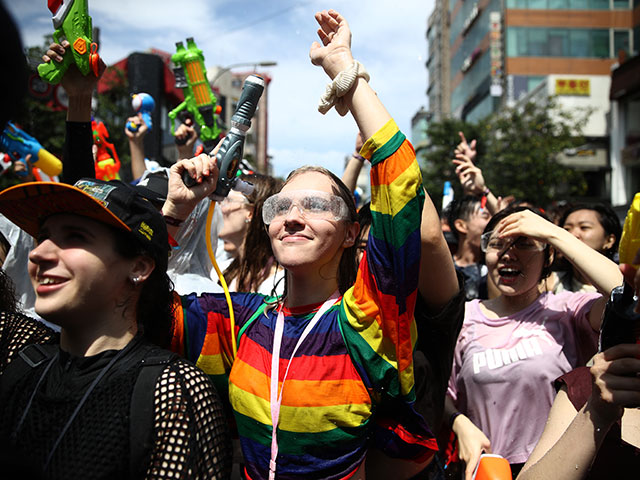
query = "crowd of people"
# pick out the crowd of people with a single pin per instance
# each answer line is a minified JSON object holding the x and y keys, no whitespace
{"x":358,"y":341}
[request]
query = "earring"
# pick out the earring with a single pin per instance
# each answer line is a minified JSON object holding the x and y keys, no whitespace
{"x":247,"y":220}
{"x":135,"y":280}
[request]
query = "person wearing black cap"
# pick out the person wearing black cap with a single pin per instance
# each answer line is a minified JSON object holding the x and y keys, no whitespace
{"x":101,"y":399}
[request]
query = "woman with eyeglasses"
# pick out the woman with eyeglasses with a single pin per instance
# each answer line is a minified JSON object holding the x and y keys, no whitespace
{"x":511,"y":348}
{"x":253,"y":268}
{"x":312,"y":365}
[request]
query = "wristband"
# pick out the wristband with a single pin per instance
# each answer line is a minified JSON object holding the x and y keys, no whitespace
{"x":174,"y":222}
{"x":341,"y":84}
{"x":357,"y":156}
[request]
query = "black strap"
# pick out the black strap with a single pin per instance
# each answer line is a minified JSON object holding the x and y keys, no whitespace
{"x":29,"y":357}
{"x":142,"y":410}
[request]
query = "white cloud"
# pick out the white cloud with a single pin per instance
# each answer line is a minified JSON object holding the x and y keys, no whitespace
{"x":389,"y":39}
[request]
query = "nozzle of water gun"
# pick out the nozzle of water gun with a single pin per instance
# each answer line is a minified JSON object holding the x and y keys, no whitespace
{"x":246,"y":188}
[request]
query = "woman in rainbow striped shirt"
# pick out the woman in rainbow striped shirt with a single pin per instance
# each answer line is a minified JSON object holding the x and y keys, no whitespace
{"x":311,"y":367}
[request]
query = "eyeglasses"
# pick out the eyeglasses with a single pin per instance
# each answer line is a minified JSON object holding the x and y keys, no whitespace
{"x":522,"y":243}
{"x":310,"y":204}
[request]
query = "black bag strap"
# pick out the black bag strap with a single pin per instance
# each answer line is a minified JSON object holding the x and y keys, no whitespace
{"x":28,"y":357}
{"x":142,"y":411}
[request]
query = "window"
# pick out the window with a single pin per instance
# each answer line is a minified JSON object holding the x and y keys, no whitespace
{"x":600,"y":43}
{"x":579,"y":40}
{"x":599,"y":4}
{"x":558,"y":42}
{"x":566,"y":42}
{"x":621,"y":42}
{"x":559,"y":4}
{"x":621,"y":4}
{"x":537,"y":44}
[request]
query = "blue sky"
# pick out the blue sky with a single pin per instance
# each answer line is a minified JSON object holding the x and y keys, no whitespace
{"x":388,"y":38}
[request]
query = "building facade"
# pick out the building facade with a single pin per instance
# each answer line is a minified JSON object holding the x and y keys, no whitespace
{"x":502,"y":49}
{"x":438,"y":91}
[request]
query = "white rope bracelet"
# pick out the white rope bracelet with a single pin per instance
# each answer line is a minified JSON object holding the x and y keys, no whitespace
{"x":340,"y":86}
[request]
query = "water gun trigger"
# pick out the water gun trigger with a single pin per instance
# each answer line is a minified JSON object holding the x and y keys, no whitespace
{"x":94,"y":58}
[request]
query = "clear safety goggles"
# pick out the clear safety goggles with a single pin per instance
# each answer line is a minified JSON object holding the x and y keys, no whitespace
{"x":310,"y":204}
{"x":522,"y":243}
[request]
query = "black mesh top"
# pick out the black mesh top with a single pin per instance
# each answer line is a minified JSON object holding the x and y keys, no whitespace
{"x":189,"y":435}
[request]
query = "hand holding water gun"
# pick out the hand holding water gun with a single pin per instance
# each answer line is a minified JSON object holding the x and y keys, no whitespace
{"x":229,"y":154}
{"x":143,"y":104}
{"x":107,"y":161}
{"x":72,"y":22}
{"x":199,"y":99}
{"x":19,"y":144}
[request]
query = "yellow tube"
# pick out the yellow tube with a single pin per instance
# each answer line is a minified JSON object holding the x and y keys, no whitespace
{"x":48,"y":163}
{"x":212,"y":257}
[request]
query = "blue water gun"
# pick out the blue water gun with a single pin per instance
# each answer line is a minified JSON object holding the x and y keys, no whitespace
{"x":144,"y":104}
{"x":17,"y":143}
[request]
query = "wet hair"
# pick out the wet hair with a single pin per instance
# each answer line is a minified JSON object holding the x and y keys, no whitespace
{"x":253,"y":264}
{"x":348,"y":267}
{"x":155,"y":309}
{"x":607,"y":218}
{"x":463,"y":209}
{"x":502,"y":214}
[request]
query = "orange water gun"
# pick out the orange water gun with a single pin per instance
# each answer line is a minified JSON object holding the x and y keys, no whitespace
{"x":107,"y":162}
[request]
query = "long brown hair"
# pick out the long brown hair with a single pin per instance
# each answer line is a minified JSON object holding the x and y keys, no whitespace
{"x":348,"y":267}
{"x":253,"y":264}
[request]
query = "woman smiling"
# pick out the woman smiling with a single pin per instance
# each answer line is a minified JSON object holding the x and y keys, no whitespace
{"x":511,"y":348}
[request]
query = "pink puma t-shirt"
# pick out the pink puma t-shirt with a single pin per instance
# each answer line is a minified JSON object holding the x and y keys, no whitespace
{"x":503,"y":369}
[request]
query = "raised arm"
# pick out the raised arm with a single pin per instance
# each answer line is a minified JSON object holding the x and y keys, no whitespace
{"x":438,"y":280}
{"x":354,"y":166}
{"x":595,"y":267}
{"x":136,"y":145}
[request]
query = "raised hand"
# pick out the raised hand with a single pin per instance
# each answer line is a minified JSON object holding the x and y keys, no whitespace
{"x":140,"y":132}
{"x":334,"y":55}
{"x":186,"y":137}
{"x":74,"y":83}
{"x":528,"y":224}
{"x":469,"y":174}
{"x":466,"y":148}
{"x":181,"y":200}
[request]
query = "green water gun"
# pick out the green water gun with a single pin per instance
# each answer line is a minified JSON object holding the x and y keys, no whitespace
{"x":72,"y":22}
{"x":199,"y":100}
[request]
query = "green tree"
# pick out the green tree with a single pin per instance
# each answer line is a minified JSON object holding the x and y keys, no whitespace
{"x":517,"y":152}
{"x":523,"y":144}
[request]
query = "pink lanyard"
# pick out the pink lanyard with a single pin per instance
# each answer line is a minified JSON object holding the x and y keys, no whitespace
{"x":276,"y":400}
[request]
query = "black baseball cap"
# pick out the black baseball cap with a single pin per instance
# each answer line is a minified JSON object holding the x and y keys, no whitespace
{"x":113,"y":203}
{"x":154,"y":187}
